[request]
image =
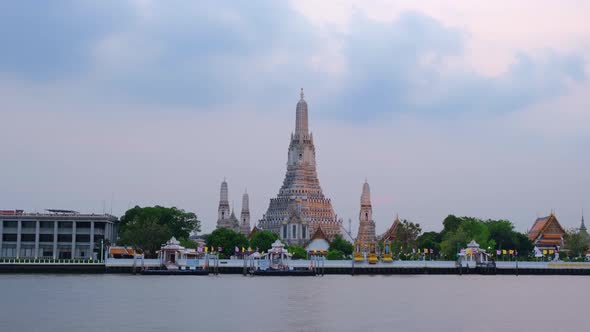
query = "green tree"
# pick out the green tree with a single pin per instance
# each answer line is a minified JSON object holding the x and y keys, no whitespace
{"x":469,"y":229}
{"x":146,"y":234}
{"x":298,"y":252}
{"x":335,"y":254}
{"x":262,"y":240}
{"x":576,"y":243}
{"x":227,"y":239}
{"x":188,"y":243}
{"x":450,"y":224}
{"x":180,"y":223}
{"x":407,"y":233}
{"x":341,"y":245}
{"x":430,"y":240}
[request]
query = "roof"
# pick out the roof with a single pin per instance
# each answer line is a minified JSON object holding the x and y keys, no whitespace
{"x":541,"y":225}
{"x":120,"y":251}
{"x":319,"y":234}
{"x":253,"y":231}
{"x":390,"y":233}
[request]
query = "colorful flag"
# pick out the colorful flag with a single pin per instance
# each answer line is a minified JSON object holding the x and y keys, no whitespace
{"x":498,"y":252}
{"x":212,"y":250}
{"x":503,"y":251}
{"x":425,"y":250}
{"x":413,"y":251}
{"x":243,"y":249}
{"x":206,"y":249}
{"x":544,"y":251}
{"x":219,"y":249}
{"x":551,"y":252}
{"x":511,"y":251}
{"x":200,"y":249}
{"x":236,"y":249}
{"x":432,"y":251}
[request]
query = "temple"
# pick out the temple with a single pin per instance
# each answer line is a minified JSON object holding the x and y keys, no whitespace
{"x":366,"y":233}
{"x":227,"y":218}
{"x":300,"y":206}
{"x":547,"y":233}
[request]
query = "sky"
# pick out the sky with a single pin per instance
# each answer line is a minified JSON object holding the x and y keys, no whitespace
{"x":472,"y":108}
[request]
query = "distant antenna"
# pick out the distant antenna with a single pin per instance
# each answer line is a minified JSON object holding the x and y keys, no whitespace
{"x":350,"y":226}
{"x":111,"y":203}
{"x":103,"y":207}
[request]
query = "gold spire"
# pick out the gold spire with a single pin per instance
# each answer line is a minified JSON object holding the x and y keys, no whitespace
{"x":301,"y":94}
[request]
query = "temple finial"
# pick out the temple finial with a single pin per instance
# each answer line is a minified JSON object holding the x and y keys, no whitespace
{"x":301,"y":94}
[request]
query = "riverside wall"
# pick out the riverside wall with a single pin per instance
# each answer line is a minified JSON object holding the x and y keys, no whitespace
{"x":328,"y":267}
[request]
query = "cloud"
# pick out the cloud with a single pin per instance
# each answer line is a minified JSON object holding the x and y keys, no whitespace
{"x":154,"y":103}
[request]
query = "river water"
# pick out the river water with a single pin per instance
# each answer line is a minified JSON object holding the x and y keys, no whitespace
{"x":330,"y":303}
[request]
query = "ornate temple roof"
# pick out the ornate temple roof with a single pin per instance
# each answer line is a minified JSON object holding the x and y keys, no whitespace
{"x":389,"y":235}
{"x":319,"y":234}
{"x":549,"y":225}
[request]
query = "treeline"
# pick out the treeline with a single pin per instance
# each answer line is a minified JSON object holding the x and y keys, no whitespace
{"x":147,"y":228}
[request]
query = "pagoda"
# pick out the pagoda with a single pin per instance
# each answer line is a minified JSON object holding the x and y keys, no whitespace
{"x":366,"y":233}
{"x":300,"y":206}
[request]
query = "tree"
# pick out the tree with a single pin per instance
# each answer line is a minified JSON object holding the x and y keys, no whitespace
{"x":576,"y":243}
{"x":262,"y":240}
{"x":297,"y":252}
{"x":406,"y":234}
{"x":341,"y":245}
{"x":188,"y":243}
{"x":335,"y":254}
{"x":228,"y":240}
{"x":469,"y":229}
{"x":180,"y":222}
{"x":429,"y":240}
{"x":145,"y":234}
{"x":450,"y":224}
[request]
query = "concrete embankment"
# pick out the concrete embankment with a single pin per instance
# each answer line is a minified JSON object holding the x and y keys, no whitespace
{"x":328,"y":267}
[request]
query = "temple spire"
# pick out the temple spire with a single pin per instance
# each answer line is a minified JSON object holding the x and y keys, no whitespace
{"x":301,"y":121}
{"x":583,"y":226}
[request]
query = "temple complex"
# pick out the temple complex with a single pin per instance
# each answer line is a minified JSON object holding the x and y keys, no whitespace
{"x":300,"y":206}
{"x":547,"y":233}
{"x":227,"y":218}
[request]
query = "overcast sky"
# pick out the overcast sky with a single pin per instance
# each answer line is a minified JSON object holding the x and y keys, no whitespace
{"x":478,"y":108}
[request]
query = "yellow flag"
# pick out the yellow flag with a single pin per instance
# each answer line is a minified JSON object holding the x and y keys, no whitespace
{"x":511,"y":251}
{"x":503,"y":251}
{"x":550,"y":252}
{"x":206,"y":249}
{"x":425,"y":251}
{"x":212,"y":250}
{"x":243,"y":249}
{"x":544,"y":252}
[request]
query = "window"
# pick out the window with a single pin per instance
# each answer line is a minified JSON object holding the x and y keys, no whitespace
{"x":84,"y":224}
{"x":46,"y":238}
{"x":303,"y":231}
{"x":65,"y":224}
{"x":294,"y":231}
{"x":46,"y":224}
{"x":27,"y":237}
{"x":28,"y":224}
{"x":64,"y":238}
{"x":10,"y":224}
{"x":285,"y":232}
{"x":9,"y":237}
{"x":82,"y":238}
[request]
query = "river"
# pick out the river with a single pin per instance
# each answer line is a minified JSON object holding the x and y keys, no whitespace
{"x":330,"y":303}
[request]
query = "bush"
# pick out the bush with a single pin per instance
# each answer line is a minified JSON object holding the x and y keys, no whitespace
{"x":335,"y":255}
